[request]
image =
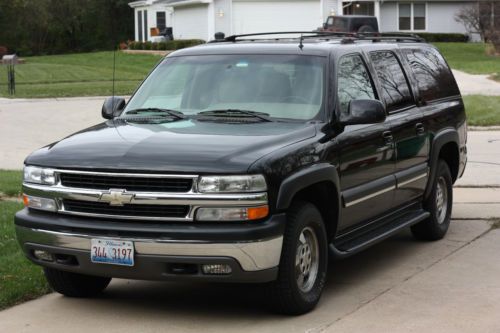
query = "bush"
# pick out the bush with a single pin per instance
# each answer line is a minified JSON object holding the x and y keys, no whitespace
{"x":170,"y":45}
{"x":3,"y":51}
{"x":444,"y":37}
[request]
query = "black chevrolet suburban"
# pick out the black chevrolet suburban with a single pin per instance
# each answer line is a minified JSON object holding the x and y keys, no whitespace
{"x":251,"y":160}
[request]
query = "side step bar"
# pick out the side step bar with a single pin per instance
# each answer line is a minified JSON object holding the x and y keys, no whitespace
{"x":369,"y":238}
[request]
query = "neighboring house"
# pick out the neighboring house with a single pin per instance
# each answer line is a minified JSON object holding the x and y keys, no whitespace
{"x":202,"y":18}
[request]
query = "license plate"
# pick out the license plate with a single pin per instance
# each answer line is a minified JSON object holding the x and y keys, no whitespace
{"x":114,"y":252}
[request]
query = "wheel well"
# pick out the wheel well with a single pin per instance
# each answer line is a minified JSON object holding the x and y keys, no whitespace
{"x":325,"y":197}
{"x":449,"y":153}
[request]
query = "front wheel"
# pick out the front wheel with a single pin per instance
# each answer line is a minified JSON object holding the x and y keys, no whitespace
{"x":439,"y":204}
{"x":74,"y":284}
{"x":304,"y":261}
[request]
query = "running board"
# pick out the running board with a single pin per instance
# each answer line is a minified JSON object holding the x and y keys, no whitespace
{"x":369,"y":238}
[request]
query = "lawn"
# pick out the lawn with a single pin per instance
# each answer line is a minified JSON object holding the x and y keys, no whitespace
{"x":20,"y":280}
{"x":482,"y":110}
{"x":470,"y":58}
{"x":83,"y":74}
{"x":10,"y":182}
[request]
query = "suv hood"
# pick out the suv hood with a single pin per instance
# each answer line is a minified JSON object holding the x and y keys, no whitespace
{"x":187,"y":146}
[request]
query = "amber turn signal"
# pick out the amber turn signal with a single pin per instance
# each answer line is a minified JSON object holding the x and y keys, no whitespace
{"x":255,"y":213}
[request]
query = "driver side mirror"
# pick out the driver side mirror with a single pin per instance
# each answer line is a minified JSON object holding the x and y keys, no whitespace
{"x":112,"y":107}
{"x":364,"y":111}
{"x":325,"y":25}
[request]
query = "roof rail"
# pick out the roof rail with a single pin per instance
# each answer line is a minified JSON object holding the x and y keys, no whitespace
{"x":347,"y":37}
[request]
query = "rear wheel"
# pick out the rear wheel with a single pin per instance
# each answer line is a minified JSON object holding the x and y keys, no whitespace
{"x":74,"y":284}
{"x":304,"y":261}
{"x":439,"y":204}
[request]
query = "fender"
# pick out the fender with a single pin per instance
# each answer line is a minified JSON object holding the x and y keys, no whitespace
{"x":304,"y":178}
{"x":445,"y":136}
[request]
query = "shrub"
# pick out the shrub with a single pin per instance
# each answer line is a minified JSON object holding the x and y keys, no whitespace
{"x":162,"y":46}
{"x":3,"y":51}
{"x":168,"y":45}
{"x":444,"y":37}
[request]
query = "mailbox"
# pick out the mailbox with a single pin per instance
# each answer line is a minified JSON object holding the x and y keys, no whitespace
{"x":10,"y":59}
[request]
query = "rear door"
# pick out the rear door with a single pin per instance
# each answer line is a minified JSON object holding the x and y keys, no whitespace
{"x":407,"y":126}
{"x":366,"y":152}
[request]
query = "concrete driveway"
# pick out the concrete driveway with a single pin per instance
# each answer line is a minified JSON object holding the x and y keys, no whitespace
{"x":400,"y":285}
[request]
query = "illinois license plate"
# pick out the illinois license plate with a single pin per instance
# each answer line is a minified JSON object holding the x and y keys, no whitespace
{"x":114,"y":252}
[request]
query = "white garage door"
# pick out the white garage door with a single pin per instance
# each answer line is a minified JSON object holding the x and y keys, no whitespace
{"x":266,"y":16}
{"x":190,"y":22}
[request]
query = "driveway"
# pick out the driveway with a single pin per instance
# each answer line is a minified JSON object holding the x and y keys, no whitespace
{"x":473,"y":84}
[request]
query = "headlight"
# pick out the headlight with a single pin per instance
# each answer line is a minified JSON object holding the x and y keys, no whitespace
{"x":39,"y":175}
{"x":227,"y":184}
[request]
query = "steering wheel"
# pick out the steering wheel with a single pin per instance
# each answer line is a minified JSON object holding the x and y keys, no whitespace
{"x":292,"y":98}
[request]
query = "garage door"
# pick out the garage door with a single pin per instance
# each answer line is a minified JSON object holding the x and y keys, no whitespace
{"x":265,"y":16}
{"x":190,"y":22}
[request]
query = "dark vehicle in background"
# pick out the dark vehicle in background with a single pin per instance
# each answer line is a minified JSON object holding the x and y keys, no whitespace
{"x":253,"y":161}
{"x":350,"y":23}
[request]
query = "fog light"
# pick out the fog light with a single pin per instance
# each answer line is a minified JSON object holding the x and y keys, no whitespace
{"x":216,"y":269}
{"x":43,"y":255}
{"x":231,"y":213}
{"x":39,"y":203}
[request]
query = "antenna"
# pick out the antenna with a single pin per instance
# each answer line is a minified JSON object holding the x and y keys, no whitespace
{"x":114,"y":69}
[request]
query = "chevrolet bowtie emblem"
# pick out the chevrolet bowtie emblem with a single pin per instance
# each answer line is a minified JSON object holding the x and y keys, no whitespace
{"x":116,"y":197}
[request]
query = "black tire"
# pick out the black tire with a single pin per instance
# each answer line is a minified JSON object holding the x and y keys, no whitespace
{"x":436,"y":226}
{"x":303,"y":219}
{"x":366,"y":28}
{"x":75,"y":285}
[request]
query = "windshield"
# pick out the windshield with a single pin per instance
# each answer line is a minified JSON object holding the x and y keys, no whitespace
{"x":281,"y":86}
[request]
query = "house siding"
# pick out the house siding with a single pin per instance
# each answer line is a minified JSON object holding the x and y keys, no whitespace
{"x":388,"y":17}
{"x":441,"y":17}
{"x":223,"y":24}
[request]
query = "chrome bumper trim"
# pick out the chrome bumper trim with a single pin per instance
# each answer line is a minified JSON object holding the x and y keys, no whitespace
{"x":252,"y":256}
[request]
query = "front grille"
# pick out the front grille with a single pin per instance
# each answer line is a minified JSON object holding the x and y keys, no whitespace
{"x":139,"y":184}
{"x":163,"y":211}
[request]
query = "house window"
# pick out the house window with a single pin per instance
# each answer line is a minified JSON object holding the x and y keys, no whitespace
{"x":412,"y":16}
{"x":161,"y":22}
{"x":139,"y":25}
{"x":145,"y":25}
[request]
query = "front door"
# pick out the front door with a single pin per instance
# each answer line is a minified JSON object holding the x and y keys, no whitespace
{"x":366,"y":152}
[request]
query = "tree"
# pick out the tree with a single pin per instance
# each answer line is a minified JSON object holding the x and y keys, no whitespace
{"x":469,"y":17}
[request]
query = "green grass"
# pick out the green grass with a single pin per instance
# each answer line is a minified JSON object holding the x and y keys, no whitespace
{"x":470,"y":58}
{"x":83,"y":74}
{"x":482,"y":110}
{"x":10,"y":182}
{"x":20,"y":280}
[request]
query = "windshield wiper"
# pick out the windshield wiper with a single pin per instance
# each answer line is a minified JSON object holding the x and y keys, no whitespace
{"x":173,"y":113}
{"x":236,"y":113}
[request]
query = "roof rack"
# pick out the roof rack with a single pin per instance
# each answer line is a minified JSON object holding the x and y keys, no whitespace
{"x":346,"y":37}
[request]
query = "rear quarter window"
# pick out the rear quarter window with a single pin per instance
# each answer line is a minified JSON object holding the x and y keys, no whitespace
{"x":433,"y":76}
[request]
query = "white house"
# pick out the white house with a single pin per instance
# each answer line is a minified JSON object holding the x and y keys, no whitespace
{"x":202,"y":18}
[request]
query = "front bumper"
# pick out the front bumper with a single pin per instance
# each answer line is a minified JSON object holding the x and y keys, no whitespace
{"x":252,"y":250}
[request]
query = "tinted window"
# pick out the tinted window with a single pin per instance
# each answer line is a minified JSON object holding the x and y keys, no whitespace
{"x":434,"y":78}
{"x":353,"y":81}
{"x":395,"y":89}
